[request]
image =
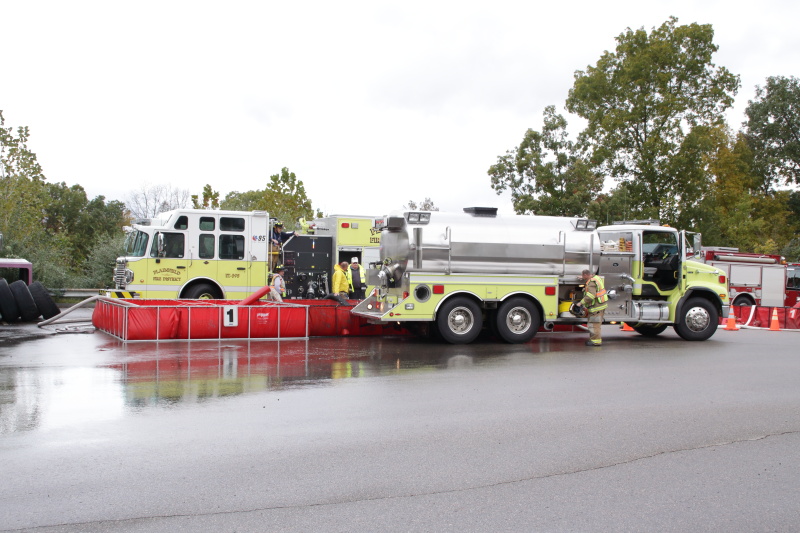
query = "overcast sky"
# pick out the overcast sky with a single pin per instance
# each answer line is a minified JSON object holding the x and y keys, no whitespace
{"x":371,"y":104}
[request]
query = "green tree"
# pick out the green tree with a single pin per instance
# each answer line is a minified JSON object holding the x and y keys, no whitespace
{"x":81,"y":221}
{"x":735,"y":210}
{"x":210,"y":199}
{"x":546,"y":173}
{"x":792,"y":251}
{"x":52,"y":225}
{"x":284,"y":198}
{"x":773,"y":131}
{"x":22,"y":191}
{"x":243,"y":201}
{"x":614,"y":206}
{"x":650,"y":106}
{"x":98,"y":269}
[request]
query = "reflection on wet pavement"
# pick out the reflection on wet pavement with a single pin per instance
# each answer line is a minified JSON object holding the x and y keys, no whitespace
{"x":97,"y":378}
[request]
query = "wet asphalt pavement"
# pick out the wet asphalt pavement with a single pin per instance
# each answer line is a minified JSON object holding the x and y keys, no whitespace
{"x":399,"y":434}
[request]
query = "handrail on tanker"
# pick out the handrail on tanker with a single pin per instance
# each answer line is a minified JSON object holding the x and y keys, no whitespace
{"x":448,"y":235}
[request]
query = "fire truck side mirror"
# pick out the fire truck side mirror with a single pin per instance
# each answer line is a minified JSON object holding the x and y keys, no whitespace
{"x":697,"y":243}
{"x":161,"y":245}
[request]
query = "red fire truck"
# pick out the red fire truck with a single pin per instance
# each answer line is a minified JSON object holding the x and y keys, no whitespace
{"x":755,"y":279}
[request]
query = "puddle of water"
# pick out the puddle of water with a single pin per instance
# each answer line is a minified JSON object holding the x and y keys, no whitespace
{"x":54,"y":382}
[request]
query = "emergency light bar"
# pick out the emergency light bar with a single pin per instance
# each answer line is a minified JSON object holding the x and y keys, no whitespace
{"x":585,"y":224}
{"x":418,"y":218}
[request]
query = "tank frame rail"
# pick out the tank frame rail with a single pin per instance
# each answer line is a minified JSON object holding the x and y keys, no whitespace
{"x":119,"y":314}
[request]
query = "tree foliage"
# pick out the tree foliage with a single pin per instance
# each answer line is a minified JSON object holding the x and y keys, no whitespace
{"x":650,"y":106}
{"x":210,"y":199}
{"x":546,"y":173}
{"x":52,"y":225}
{"x":735,"y":210}
{"x":773,"y":131}
{"x":284,"y":198}
{"x":82,"y":221}
{"x":22,"y":191}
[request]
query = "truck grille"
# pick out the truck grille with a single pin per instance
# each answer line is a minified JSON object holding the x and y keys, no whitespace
{"x":119,"y":274}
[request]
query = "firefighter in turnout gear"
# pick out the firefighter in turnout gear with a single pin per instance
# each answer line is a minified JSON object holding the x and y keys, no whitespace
{"x":595,"y":299}
{"x":278,"y":291}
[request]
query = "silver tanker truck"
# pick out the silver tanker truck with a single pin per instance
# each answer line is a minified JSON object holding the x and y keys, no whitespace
{"x":459,"y":272}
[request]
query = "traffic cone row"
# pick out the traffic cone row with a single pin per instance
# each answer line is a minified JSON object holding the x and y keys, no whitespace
{"x":731,"y":325}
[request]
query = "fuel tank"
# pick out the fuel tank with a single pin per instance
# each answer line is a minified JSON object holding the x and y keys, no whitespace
{"x":480,"y":241}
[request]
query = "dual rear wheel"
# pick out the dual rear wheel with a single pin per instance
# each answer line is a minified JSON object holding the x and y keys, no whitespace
{"x":460,"y":320}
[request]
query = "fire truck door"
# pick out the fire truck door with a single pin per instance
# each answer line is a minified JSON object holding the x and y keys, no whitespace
{"x":684,"y":245}
{"x":203,"y":256}
{"x":167,"y":264}
{"x":773,"y":285}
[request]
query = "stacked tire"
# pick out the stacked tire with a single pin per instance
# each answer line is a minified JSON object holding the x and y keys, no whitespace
{"x":19,"y":302}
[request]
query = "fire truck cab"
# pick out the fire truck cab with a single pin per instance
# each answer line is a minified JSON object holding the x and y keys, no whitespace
{"x":195,"y":253}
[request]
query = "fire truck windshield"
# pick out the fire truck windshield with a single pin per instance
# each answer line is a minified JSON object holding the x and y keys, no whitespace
{"x":136,"y":243}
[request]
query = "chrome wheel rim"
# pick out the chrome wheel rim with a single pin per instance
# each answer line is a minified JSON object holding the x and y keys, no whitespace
{"x":460,"y":320}
{"x":518,"y":320}
{"x":697,"y":319}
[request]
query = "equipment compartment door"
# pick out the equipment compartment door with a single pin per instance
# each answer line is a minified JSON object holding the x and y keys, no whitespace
{"x":773,"y":283}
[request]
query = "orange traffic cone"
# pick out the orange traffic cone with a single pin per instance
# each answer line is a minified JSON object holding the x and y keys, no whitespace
{"x":773,"y":324}
{"x":626,"y":327}
{"x":731,"y":325}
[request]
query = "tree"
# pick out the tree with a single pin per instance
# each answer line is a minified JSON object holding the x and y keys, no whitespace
{"x":82,"y":222}
{"x":735,"y":211}
{"x":23,"y":200}
{"x":98,"y":269}
{"x":210,"y":199}
{"x":650,"y":106}
{"x":612,"y":206}
{"x":243,"y":201}
{"x":22,"y":191}
{"x":773,"y":131}
{"x":284,"y":198}
{"x":424,"y":205}
{"x":149,"y":200}
{"x":546,"y":173}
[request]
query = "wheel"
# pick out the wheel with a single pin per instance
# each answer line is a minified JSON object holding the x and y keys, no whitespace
{"x":517,"y":320}
{"x":744,"y":300}
{"x":47,"y":307}
{"x":203,"y":291}
{"x":650,"y":330}
{"x":459,"y":320}
{"x":8,"y":306}
{"x":698,"y":320}
{"x":27,"y":307}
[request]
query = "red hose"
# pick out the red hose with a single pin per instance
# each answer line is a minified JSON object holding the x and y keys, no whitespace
{"x":256,"y":295}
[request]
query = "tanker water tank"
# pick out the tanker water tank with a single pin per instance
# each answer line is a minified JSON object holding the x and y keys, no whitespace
{"x":480,"y":244}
